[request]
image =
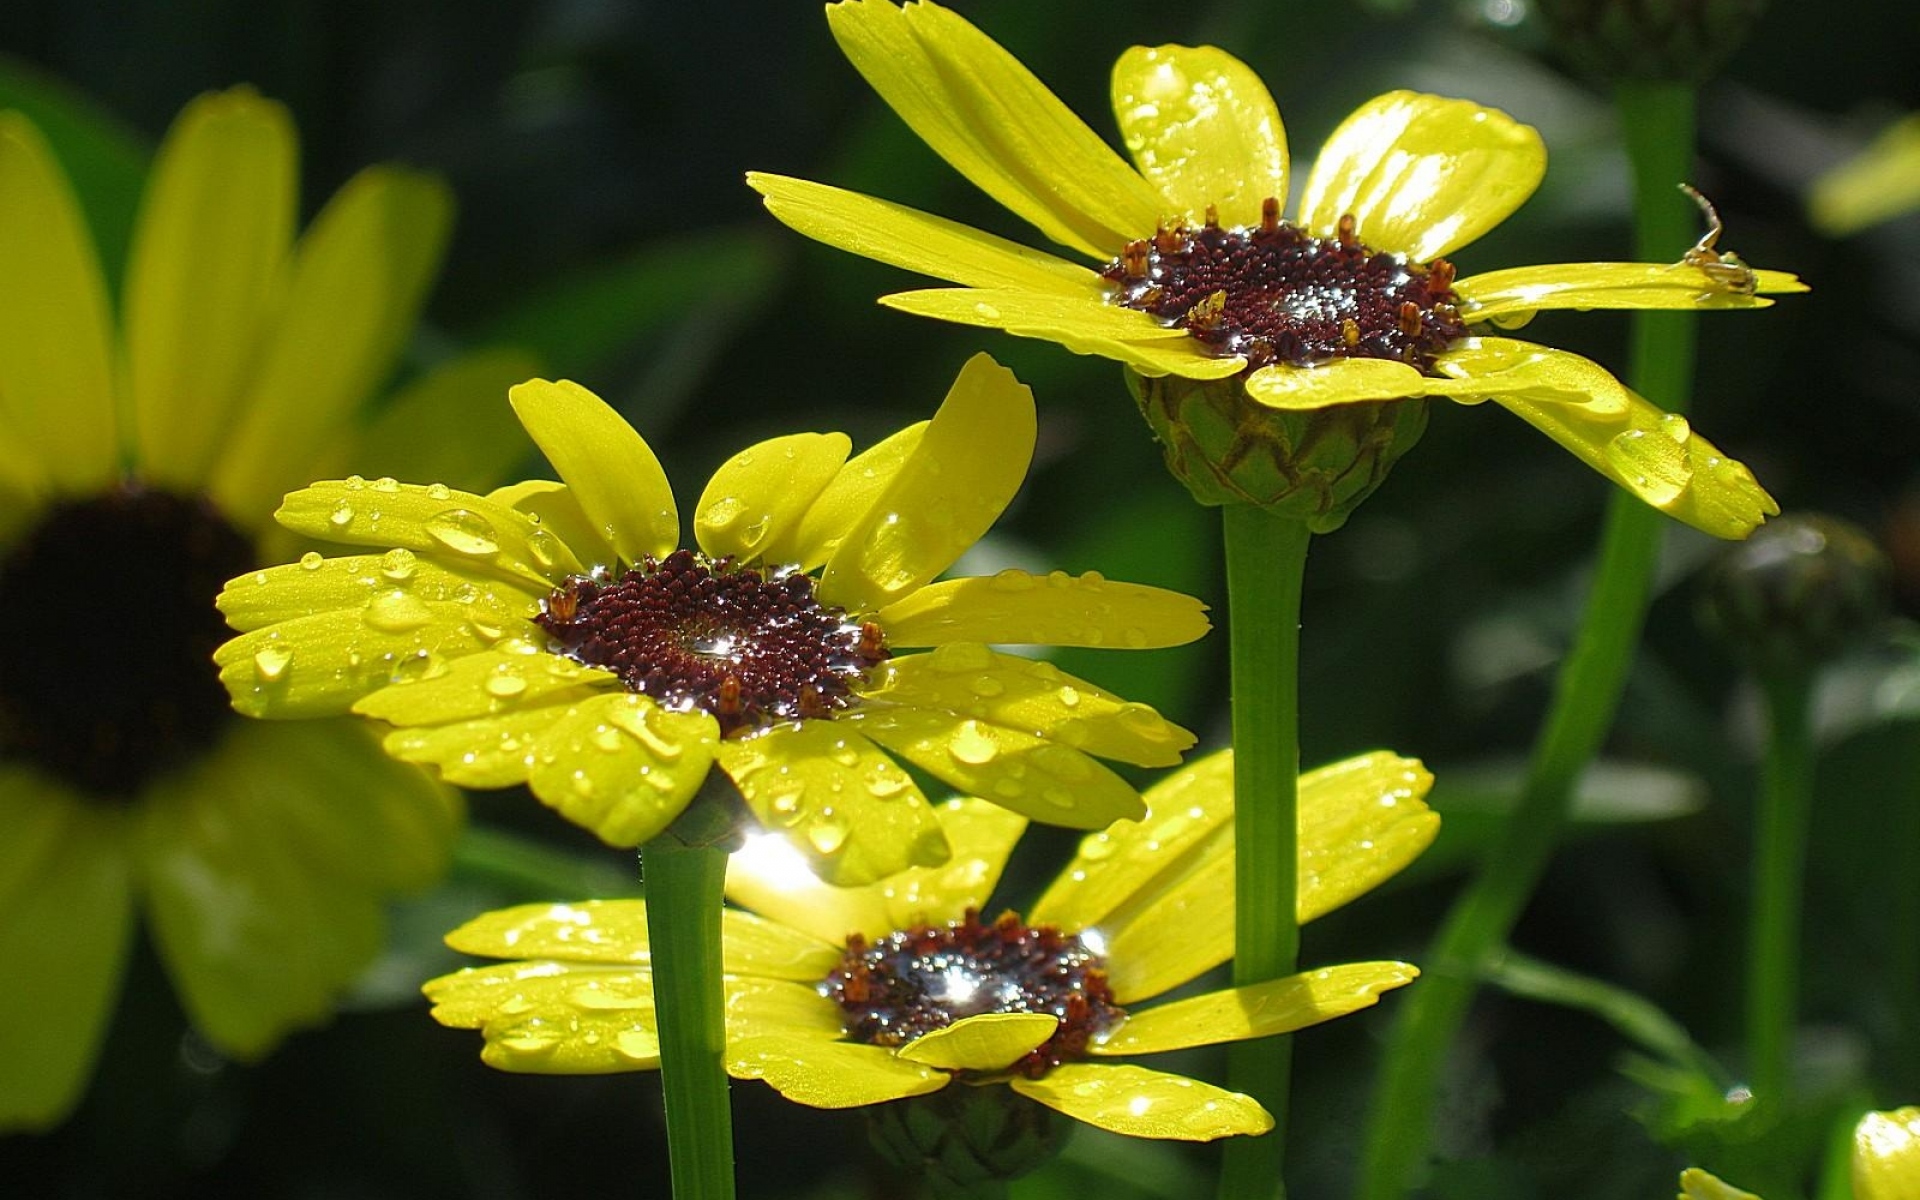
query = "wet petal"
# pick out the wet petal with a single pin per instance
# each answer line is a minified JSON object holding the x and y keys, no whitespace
{"x":621,"y":766}
{"x":822,"y":1074}
{"x":558,"y":510}
{"x":1511,"y":297}
{"x":317,"y":585}
{"x":1886,"y":1155}
{"x":1473,"y":369}
{"x":208,"y":257}
{"x":781,"y":1007}
{"x":611,"y":470}
{"x":551,"y":1018}
{"x":847,"y":499}
{"x":1422,"y":175}
{"x":977,"y":107}
{"x":511,"y":677}
{"x":65,"y":887}
{"x":966,"y":679}
{"x":1015,"y":607}
{"x":56,"y":364}
{"x":987,"y":1042}
{"x":588,"y":931}
{"x":1341,"y":381}
{"x":468,"y":530}
{"x":488,"y":752}
{"x":356,"y":285}
{"x":452,"y":424}
{"x":1203,"y":129}
{"x":916,"y":241}
{"x":849,"y":808}
{"x":970,"y":461}
{"x":1137,"y":1102}
{"x":1034,"y":777}
{"x":1082,"y":325}
{"x":757,"y":497}
{"x":1256,"y":1011}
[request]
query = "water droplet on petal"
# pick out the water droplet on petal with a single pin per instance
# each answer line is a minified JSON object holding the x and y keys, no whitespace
{"x":270,"y":663}
{"x":504,"y":683}
{"x":386,"y":483}
{"x":439,"y":491}
{"x":1134,"y":637}
{"x":1097,"y":848}
{"x":987,"y":685}
{"x":828,"y":832}
{"x":723,"y":512}
{"x":397,"y":611}
{"x":1012,"y":580}
{"x":987,"y":311}
{"x":463,"y":531}
{"x":353,"y":483}
{"x":544,"y":549}
{"x":311,"y":560}
{"x":1069,"y":696}
{"x":397,"y":564}
{"x":341,"y":516}
{"x":973,"y":743}
{"x":606,"y":737}
{"x":960,"y":658}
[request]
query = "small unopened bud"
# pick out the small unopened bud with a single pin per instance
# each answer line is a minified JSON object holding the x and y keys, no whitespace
{"x":1796,"y":592}
{"x":1673,"y":40}
{"x":960,"y":1136}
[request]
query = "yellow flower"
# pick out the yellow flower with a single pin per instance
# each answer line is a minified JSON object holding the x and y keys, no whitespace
{"x":1353,"y":301}
{"x":133,"y":462}
{"x":551,"y":634}
{"x":1878,"y":184}
{"x":1696,"y":1184}
{"x":1886,"y":1155}
{"x":839,"y":997}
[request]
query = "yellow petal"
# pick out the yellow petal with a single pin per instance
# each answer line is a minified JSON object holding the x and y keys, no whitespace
{"x":1879,"y":183}
{"x":769,"y":876}
{"x":1696,"y":1184}
{"x":610,"y":468}
{"x":823,"y":1074}
{"x":64,"y":882}
{"x":513,"y":676}
{"x":1339,"y":381}
{"x":317,"y":666}
{"x":1036,"y":778}
{"x":451,"y":425}
{"x":556,"y":508}
{"x":56,"y":372}
{"x":970,"y":461}
{"x":621,"y":766}
{"x":1085,"y":324}
{"x":977,"y":107}
{"x":550,"y":1018}
{"x":781,"y":1007}
{"x":1886,"y":1155}
{"x":769,"y":952}
{"x":968,"y":680}
{"x":22,"y":481}
{"x":1362,"y":821}
{"x":316,"y":585}
{"x":1203,"y":129}
{"x":358,"y":279}
{"x":1260,"y":1010}
{"x":1510,"y":297}
{"x":757,"y":497}
{"x":1473,"y":370}
{"x":1422,"y":175}
{"x":587,"y":931}
{"x":1015,"y":607}
{"x":917,"y":241}
{"x":1136,"y":1102}
{"x":261,"y":904}
{"x":208,"y":260}
{"x":849,"y":808}
{"x":845,"y":501}
{"x":488,"y":752}
{"x":987,"y":1042}
{"x":469,"y":531}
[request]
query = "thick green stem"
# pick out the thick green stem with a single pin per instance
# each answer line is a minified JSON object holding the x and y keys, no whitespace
{"x":1657,"y":122}
{"x":1779,"y":863}
{"x":683,"y":928}
{"x":1266,"y":560}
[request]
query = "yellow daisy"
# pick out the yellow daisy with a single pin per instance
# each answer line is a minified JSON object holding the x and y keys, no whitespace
{"x":551,"y":633}
{"x":136,"y":466}
{"x":1197,"y":275}
{"x":840,"y":997}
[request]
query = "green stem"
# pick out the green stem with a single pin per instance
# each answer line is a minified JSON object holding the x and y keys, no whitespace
{"x":1779,"y":863}
{"x":1632,"y":1015}
{"x":1657,"y":123}
{"x":1266,"y":561}
{"x":683,"y":929}
{"x":1903,"y":912}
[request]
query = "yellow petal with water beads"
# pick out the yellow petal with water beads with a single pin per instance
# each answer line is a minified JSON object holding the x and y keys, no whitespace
{"x":1036,"y":778}
{"x":1886,"y":1155}
{"x":987,"y":1042}
{"x":587,"y":931}
{"x":758,"y":496}
{"x":1512,"y":296}
{"x":970,"y":461}
{"x":917,"y":241}
{"x":489,"y":752}
{"x":1015,"y":608}
{"x":558,"y":511}
{"x":846,"y":500}
{"x":1256,"y":1011}
{"x":610,"y":468}
{"x":316,"y":585}
{"x":781,"y":1008}
{"x":1422,"y":175}
{"x":1084,"y":325}
{"x":514,"y":675}
{"x":1137,"y":1102}
{"x":621,"y":766}
{"x":826,"y":1074}
{"x":554,"y":1018}
{"x":471,"y":531}
{"x":1473,"y":370}
{"x":1203,"y":129}
{"x":977,"y":107}
{"x":849,"y":808}
{"x":967,"y":679}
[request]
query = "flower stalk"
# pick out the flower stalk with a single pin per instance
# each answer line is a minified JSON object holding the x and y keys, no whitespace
{"x":1779,"y":867}
{"x":1266,"y":562}
{"x":1657,"y":122}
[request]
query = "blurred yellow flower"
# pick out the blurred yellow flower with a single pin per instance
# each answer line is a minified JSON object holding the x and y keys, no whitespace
{"x":1886,"y":1155}
{"x":136,"y":465}
{"x":552,"y":634}
{"x":840,"y":997}
{"x":1200,"y":277}
{"x":1696,"y":1184}
{"x":1878,"y":184}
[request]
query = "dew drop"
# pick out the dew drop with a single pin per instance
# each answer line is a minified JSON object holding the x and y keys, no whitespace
{"x":1069,"y":696}
{"x":484,"y":631}
{"x":987,"y":685}
{"x":1058,"y":797}
{"x":439,"y":491}
{"x":960,"y":658}
{"x":463,"y":531}
{"x":606,"y":737}
{"x":635,"y":1046}
{"x":386,"y":483}
{"x":786,"y":807}
{"x":397,"y":564}
{"x":885,"y":785}
{"x":723,"y":512}
{"x":972,"y":744}
{"x":503,"y":684}
{"x":828,"y":833}
{"x":397,"y":611}
{"x":311,"y":560}
{"x":270,"y":663}
{"x":1013,"y":579}
{"x":1097,"y":848}
{"x":987,"y":311}
{"x":544,"y":549}
{"x":353,"y":483}
{"x":1133,"y":637}
{"x":341,"y":516}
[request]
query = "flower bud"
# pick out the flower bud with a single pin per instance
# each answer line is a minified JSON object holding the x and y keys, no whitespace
{"x":1675,"y":40}
{"x":961,"y":1136}
{"x":1796,"y":592}
{"x":1315,"y":466}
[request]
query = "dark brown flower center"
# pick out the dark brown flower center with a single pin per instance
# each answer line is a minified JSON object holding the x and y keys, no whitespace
{"x":914,"y":981}
{"x":1279,"y":295}
{"x":107,"y":602}
{"x":750,"y":647}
